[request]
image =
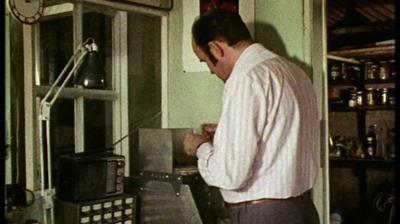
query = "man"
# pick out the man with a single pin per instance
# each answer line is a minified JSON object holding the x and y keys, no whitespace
{"x":264,"y":156}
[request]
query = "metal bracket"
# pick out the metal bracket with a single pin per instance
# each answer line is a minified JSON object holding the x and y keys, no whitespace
{"x":47,"y":199}
{"x":174,"y":179}
{"x":45,"y":111}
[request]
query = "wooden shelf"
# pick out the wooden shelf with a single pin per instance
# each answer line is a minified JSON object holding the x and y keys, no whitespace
{"x":359,"y":160}
{"x":367,"y":163}
{"x":380,"y":81}
{"x":386,"y":51}
{"x":360,"y":83}
{"x":334,"y":108}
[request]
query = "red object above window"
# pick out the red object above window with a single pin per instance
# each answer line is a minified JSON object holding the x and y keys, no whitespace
{"x":232,"y":5}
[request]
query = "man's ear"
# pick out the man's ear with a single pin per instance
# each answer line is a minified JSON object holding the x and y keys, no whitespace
{"x":216,"y":49}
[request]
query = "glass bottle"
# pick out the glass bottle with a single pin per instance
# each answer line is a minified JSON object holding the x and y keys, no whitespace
{"x":383,"y":96}
{"x":360,"y":98}
{"x":370,"y":141}
{"x":381,"y":141}
{"x":344,"y":71}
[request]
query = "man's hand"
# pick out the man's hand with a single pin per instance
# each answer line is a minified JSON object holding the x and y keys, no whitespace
{"x":209,"y":130}
{"x":191,"y":142}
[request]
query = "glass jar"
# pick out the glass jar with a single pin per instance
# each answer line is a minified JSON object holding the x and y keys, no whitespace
{"x":370,"y":97}
{"x":352,"y":97}
{"x":335,"y":73}
{"x":383,"y":70}
{"x":360,"y":98}
{"x":371,"y":70}
{"x":383,"y":96}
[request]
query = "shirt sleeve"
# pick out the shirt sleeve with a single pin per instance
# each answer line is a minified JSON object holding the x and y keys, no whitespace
{"x":227,"y":163}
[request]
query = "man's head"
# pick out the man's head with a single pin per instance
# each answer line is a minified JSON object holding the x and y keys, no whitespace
{"x":218,"y":36}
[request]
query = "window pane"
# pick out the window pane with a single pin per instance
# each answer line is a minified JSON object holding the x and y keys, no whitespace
{"x":62,"y":132}
{"x":98,"y":125}
{"x":55,"y":48}
{"x":144,"y":67}
{"x":62,"y":126}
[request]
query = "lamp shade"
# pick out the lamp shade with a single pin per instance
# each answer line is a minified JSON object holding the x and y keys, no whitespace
{"x":91,"y":73}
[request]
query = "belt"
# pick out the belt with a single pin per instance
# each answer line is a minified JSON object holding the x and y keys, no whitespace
{"x":267,"y":200}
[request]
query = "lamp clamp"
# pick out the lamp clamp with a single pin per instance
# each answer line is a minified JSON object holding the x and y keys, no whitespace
{"x":45,"y":111}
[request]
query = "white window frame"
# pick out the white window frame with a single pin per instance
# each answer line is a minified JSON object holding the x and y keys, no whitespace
{"x":119,"y":93}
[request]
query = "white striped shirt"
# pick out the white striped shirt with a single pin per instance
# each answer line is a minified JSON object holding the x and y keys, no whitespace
{"x":265,"y":145}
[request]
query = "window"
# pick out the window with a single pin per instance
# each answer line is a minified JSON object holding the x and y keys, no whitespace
{"x":131,"y":44}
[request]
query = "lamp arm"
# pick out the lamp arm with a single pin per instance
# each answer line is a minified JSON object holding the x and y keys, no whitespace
{"x":73,"y":70}
{"x":83,"y":47}
{"x":45,"y":105}
{"x":61,"y":75}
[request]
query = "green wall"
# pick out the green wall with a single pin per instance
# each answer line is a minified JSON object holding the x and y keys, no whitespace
{"x":283,"y":26}
{"x":194,"y":97}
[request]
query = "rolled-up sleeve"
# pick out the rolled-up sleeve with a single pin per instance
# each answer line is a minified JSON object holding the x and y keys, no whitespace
{"x":227,"y":163}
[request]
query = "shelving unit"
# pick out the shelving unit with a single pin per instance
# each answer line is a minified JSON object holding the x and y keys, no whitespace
{"x":371,"y":163}
{"x":361,"y":166}
{"x":371,"y":52}
{"x":361,"y":83}
{"x":361,"y":108}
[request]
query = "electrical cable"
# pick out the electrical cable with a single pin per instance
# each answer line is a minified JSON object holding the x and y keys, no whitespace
{"x":139,"y":123}
{"x":13,"y":192}
{"x":33,"y":197}
{"x":382,"y":200}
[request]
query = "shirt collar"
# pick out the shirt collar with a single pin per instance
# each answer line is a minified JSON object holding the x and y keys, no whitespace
{"x":250,"y":57}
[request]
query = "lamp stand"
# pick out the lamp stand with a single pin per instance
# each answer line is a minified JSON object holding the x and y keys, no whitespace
{"x":47,"y":194}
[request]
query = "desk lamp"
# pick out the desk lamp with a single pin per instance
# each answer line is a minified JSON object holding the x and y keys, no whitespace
{"x":89,"y":74}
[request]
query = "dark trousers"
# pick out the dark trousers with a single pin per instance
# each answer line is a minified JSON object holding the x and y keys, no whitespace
{"x":289,"y":211}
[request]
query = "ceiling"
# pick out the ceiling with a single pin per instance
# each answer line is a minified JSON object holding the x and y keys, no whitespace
{"x":359,"y":22}
{"x":375,"y":11}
